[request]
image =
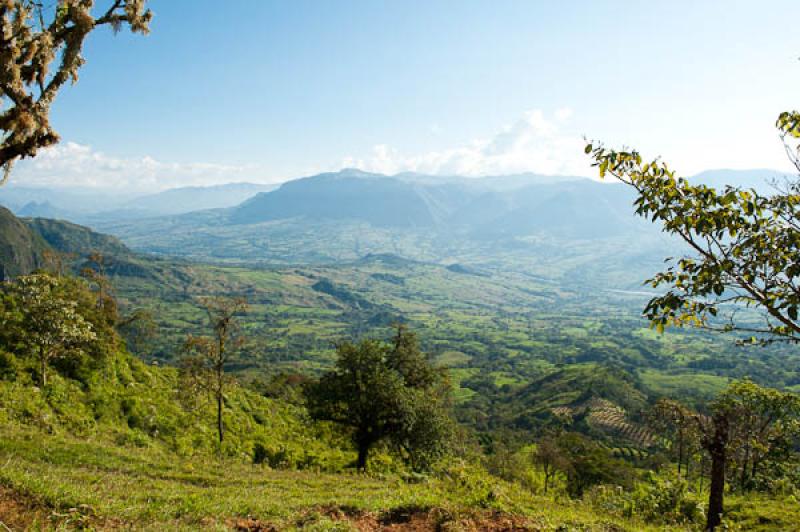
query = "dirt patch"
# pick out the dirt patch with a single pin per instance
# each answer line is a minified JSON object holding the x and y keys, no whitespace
{"x":422,"y":520}
{"x":252,"y":525}
{"x":18,"y":512}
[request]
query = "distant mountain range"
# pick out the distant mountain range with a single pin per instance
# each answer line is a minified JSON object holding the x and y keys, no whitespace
{"x":556,"y":222}
{"x":187,"y":199}
{"x":516,"y":205}
{"x":547,"y":226}
{"x":86,"y":204}
{"x":509,"y":205}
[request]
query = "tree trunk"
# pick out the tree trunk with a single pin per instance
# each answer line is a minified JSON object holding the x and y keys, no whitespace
{"x":363,"y":454}
{"x":42,"y":369}
{"x":220,"y":429}
{"x":717,"y":448}
{"x":745,"y":463}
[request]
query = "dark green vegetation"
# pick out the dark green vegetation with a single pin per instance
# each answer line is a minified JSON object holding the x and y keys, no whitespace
{"x":387,"y":393}
{"x":21,"y":250}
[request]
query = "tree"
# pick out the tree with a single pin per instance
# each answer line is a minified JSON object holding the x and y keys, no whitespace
{"x":745,"y":425}
{"x":377,"y":391}
{"x":212,"y":353}
{"x":765,"y":426}
{"x":41,"y":50}
{"x":745,"y":252}
{"x":137,"y":326}
{"x":550,"y":459}
{"x":677,"y":425}
{"x":745,"y":247}
{"x":744,"y":416}
{"x":46,"y":320}
{"x":587,"y":464}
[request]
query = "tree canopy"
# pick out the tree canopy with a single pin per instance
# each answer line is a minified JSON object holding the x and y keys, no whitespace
{"x":384,"y":392}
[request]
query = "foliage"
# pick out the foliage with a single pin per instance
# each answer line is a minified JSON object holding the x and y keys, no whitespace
{"x":746,"y":246}
{"x":384,"y":392}
{"x":588,"y":464}
{"x":677,"y":425}
{"x":765,"y":424}
{"x":41,"y":319}
{"x":659,"y":499}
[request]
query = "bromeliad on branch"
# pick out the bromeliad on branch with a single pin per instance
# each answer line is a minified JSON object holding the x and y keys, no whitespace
{"x":40,"y":50}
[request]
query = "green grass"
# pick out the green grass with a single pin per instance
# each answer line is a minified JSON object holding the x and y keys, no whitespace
{"x":154,"y":489}
{"x":682,"y":384}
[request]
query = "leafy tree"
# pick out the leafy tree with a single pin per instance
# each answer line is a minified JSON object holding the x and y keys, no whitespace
{"x":550,"y":459}
{"x":745,"y":426}
{"x":363,"y":393}
{"x":676,"y":423}
{"x":745,"y":252}
{"x":765,"y":426}
{"x":588,"y":464}
{"x":383,"y":393}
{"x":45,"y":321}
{"x":745,"y":247}
{"x":211,"y":353}
{"x":41,"y":52}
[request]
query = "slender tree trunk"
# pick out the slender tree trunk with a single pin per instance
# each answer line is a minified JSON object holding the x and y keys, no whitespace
{"x":745,"y":463}
{"x":546,"y":482}
{"x":689,"y":466}
{"x":717,"y":448}
{"x":220,"y":428}
{"x":42,"y":368}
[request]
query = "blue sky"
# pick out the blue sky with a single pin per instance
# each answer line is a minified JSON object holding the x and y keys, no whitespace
{"x":265,"y":91}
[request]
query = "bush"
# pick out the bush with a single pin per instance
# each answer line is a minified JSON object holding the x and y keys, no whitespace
{"x":9,"y":366}
{"x":657,"y":500}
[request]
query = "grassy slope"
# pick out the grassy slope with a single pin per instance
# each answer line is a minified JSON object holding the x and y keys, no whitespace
{"x":122,"y":451}
{"x":155,"y":489}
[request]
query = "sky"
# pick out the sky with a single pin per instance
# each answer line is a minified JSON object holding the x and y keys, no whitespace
{"x":265,"y":91}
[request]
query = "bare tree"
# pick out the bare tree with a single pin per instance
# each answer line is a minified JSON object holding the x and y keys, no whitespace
{"x":212,"y":353}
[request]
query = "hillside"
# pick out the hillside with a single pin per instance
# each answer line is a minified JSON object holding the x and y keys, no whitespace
{"x":21,"y":249}
{"x":124,"y":448}
{"x":118,"y":457}
{"x":70,"y":238}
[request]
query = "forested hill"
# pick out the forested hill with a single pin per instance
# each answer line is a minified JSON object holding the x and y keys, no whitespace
{"x":21,"y":249}
{"x":24,"y":242}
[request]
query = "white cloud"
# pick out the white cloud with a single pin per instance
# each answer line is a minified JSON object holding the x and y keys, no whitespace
{"x":535,"y":143}
{"x":532,"y":144}
{"x":77,"y":165}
